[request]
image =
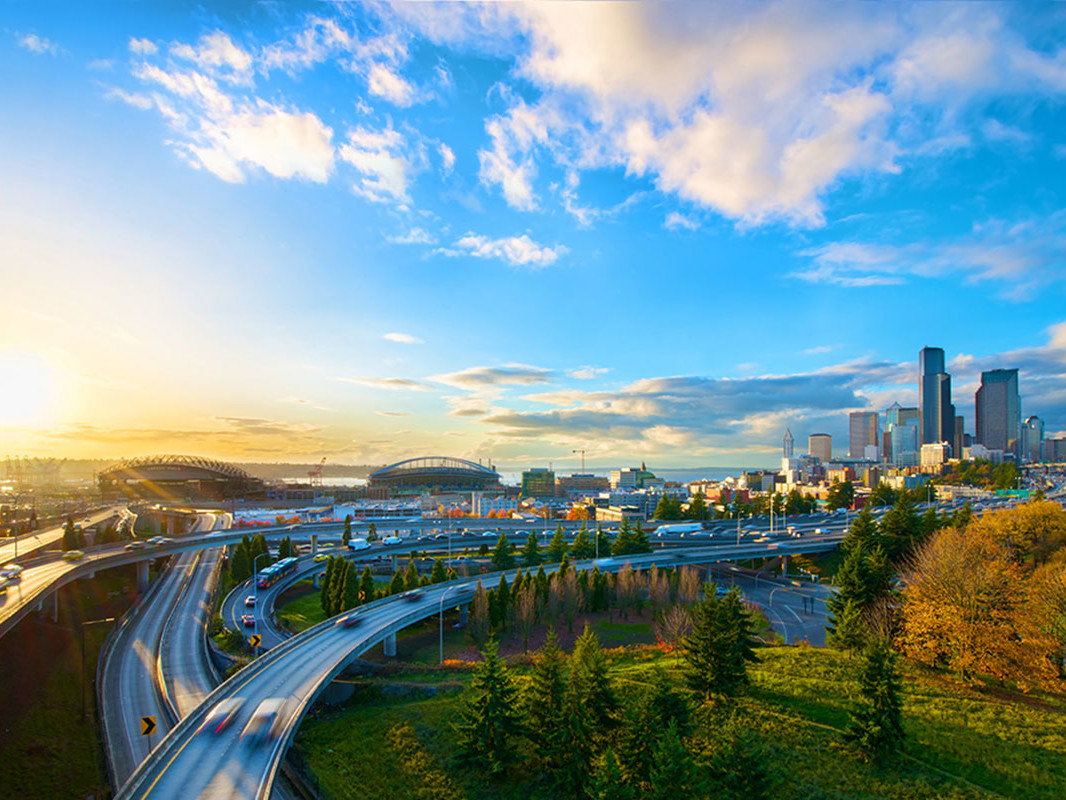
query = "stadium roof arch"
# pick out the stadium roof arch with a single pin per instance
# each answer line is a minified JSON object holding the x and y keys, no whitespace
{"x":436,"y":473}
{"x":162,"y":475}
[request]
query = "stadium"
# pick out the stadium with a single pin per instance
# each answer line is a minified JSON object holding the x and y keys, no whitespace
{"x":434,"y":475}
{"x":171,"y":478}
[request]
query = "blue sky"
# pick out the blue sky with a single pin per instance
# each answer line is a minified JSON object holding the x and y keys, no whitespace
{"x":654,"y":231}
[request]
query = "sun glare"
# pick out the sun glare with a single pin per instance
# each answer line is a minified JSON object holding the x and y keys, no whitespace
{"x":26,"y":395}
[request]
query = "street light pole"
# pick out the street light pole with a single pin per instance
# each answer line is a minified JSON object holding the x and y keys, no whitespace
{"x":443,"y":595}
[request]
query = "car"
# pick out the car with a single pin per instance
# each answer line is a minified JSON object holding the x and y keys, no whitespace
{"x":136,"y":545}
{"x":73,"y":555}
{"x":249,"y":601}
{"x":157,"y":540}
{"x":321,"y":557}
{"x":248,"y":620}
{"x":349,"y":621}
{"x":412,"y":596}
{"x":12,"y":572}
{"x":264,"y":721}
{"x":219,"y":718}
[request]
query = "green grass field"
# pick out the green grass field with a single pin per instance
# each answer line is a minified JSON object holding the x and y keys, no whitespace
{"x":962,"y":743}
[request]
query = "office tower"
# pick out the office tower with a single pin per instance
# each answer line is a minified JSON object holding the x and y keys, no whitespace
{"x":934,"y":397}
{"x":999,"y":411}
{"x":787,"y":444}
{"x":1033,"y":439}
{"x":863,"y":430}
{"x":820,"y":445}
{"x":896,"y":414}
{"x":958,"y":440}
{"x":905,"y":449}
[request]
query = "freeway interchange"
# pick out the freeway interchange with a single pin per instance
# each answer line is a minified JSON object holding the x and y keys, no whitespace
{"x":157,"y":666}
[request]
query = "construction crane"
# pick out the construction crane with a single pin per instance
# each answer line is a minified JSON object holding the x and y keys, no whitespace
{"x":582,"y":460}
{"x":315,"y":473}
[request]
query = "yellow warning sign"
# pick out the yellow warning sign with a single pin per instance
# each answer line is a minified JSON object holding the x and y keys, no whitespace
{"x":147,"y":726}
{"x":255,"y":640}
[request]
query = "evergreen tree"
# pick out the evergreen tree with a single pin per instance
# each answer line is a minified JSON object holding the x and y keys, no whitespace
{"x":623,"y":542}
{"x":324,"y":592}
{"x":582,"y":546}
{"x":849,"y":626}
{"x":841,"y":495}
{"x":862,"y":533}
{"x":740,"y":764}
{"x":672,"y":771}
{"x":531,"y":556}
{"x":439,"y":573}
{"x":350,"y":592}
{"x":240,"y":565}
{"x":544,"y":702}
{"x":641,"y":727}
{"x":697,"y":507}
{"x":598,"y":593}
{"x":877,"y":728}
{"x":502,"y":555}
{"x":366,"y":585}
{"x":397,"y":584}
{"x":721,"y":644}
{"x":336,"y":590}
{"x":347,"y":535}
{"x":929,"y":524}
{"x":557,"y":546}
{"x":864,"y":577}
{"x":640,"y":539}
{"x":410,"y":576}
{"x":70,"y":536}
{"x":669,"y":704}
{"x":607,"y":781}
{"x":372,"y":533}
{"x":541,"y":581}
{"x":590,"y":682}
{"x":900,"y":530}
{"x":503,"y":601}
{"x":602,"y":544}
{"x":960,"y":520}
{"x":478,"y":627}
{"x":489,"y":720}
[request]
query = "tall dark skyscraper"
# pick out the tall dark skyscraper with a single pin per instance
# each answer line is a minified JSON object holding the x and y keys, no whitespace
{"x":999,"y":411}
{"x":934,"y":398}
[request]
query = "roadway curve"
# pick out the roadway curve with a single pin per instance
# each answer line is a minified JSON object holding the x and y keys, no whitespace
{"x":188,"y":764}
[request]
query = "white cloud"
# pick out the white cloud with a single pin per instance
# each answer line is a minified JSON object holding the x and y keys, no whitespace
{"x":395,"y":384}
{"x":38,"y":44}
{"x":675,"y":220}
{"x":142,"y":47}
{"x":402,"y":338}
{"x":414,"y":236}
{"x":588,"y":373}
{"x":384,"y":82}
{"x":135,"y":99}
{"x":217,"y":54}
{"x":447,"y":158}
{"x":518,"y":251}
{"x":380,"y":159}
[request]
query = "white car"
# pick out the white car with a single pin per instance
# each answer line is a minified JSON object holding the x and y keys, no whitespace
{"x":12,"y":572}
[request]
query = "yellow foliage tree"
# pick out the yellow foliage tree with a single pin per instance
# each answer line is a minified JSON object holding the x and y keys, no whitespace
{"x":1032,"y":531}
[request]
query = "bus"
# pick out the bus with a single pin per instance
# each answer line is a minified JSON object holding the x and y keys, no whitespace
{"x":679,"y":529}
{"x":275,"y":572}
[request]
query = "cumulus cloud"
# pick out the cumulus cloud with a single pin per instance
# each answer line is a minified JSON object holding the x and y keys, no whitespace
{"x":39,"y":45}
{"x":218,"y":55}
{"x":380,"y":159}
{"x":675,"y":220}
{"x":402,"y":338}
{"x":480,"y":378}
{"x":447,"y":158}
{"x":398,"y":384}
{"x":588,"y":373}
{"x":135,"y":99}
{"x":384,"y":82}
{"x":142,"y":47}
{"x":414,"y":236}
{"x":518,"y":251}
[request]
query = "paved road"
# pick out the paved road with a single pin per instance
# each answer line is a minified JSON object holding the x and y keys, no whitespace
{"x":30,"y":543}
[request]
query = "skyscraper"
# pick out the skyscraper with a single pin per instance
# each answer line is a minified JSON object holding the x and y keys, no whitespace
{"x":1033,"y":439}
{"x":934,"y":398}
{"x":786,"y":445}
{"x":959,"y":438}
{"x":863,"y":432}
{"x":999,"y":411}
{"x":820,"y":445}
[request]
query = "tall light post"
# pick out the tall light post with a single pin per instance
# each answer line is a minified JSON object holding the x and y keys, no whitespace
{"x":255,"y":602}
{"x":443,"y":595}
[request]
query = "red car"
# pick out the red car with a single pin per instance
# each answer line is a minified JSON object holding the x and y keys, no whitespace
{"x":248,"y":620}
{"x":222,"y":715}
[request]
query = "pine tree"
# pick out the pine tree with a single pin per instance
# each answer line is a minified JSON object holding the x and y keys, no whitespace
{"x":350,"y":592}
{"x":544,"y":702}
{"x":623,"y":542}
{"x":324,"y":593}
{"x":864,"y":577}
{"x":557,"y":546}
{"x":70,"y":535}
{"x":603,"y":543}
{"x":397,"y":584}
{"x":598,"y":595}
{"x":541,"y":581}
{"x":240,"y":565}
{"x":478,"y":627}
{"x":439,"y":573}
{"x":672,"y":770}
{"x":697,"y":507}
{"x":721,"y":644}
{"x":640,"y":539}
{"x":582,"y":546}
{"x":862,"y":533}
{"x":877,"y":727}
{"x":347,"y":535}
{"x":336,"y":590}
{"x":607,"y":782}
{"x":641,"y":727}
{"x":489,"y":720}
{"x":848,"y":626}
{"x":410,"y":576}
{"x":531,"y":556}
{"x":503,"y":602}
{"x":366,"y":585}
{"x":669,"y":705}
{"x":900,"y":530}
{"x":502,"y":555}
{"x":590,"y":682}
{"x":372,"y":532}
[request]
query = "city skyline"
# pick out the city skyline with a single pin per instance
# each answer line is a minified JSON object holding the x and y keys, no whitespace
{"x":370,"y":233}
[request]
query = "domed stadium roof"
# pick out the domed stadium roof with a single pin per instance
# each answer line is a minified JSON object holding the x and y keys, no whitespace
{"x":173,"y":468}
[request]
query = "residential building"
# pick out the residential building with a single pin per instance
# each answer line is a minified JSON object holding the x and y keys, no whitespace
{"x":863,"y":431}
{"x":999,"y":411}
{"x":820,"y":445}
{"x":538,"y":482}
{"x":1033,"y":439}
{"x":934,"y":397}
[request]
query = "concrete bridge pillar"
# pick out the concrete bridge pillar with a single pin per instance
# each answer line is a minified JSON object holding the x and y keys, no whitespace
{"x":464,"y":614}
{"x":389,"y":645}
{"x":314,"y":550}
{"x":394,"y":563}
{"x":784,"y":565}
{"x":142,"y":576}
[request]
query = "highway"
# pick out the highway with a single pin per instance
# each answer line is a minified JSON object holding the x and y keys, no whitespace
{"x":210,"y":765}
{"x":49,"y":538}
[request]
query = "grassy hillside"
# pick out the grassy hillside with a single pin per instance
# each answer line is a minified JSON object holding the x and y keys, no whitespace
{"x":394,"y":738}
